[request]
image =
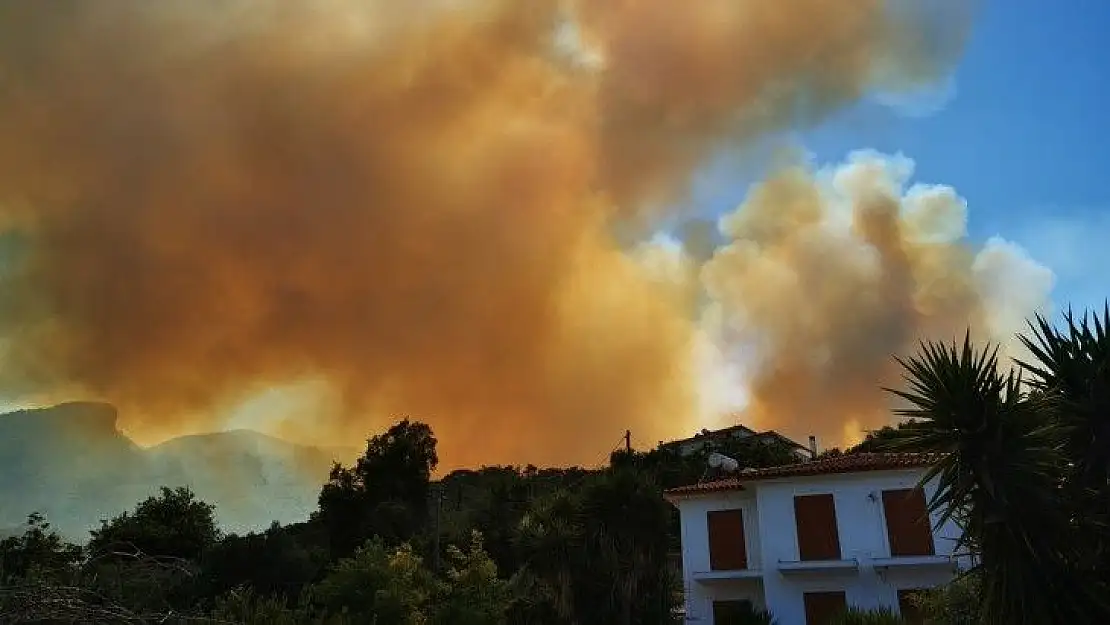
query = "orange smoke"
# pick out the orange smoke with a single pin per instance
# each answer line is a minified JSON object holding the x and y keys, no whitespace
{"x":418,"y":203}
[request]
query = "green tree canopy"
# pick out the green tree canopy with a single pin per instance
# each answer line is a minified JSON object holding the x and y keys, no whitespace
{"x":474,"y":594}
{"x":378,"y":584}
{"x":275,"y":562}
{"x":385,"y":493}
{"x":172,"y":524}
{"x":601,"y":551}
{"x":38,"y":550}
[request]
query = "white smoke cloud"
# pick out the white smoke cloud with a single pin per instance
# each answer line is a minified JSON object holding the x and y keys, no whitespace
{"x":828,"y":272}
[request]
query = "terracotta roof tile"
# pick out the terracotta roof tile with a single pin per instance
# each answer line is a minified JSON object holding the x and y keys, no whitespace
{"x":850,"y":463}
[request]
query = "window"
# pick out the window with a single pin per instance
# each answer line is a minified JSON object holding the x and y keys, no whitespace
{"x":911,"y":614}
{"x":737,"y":612}
{"x":907,"y":523}
{"x":818,"y":538}
{"x":822,"y":607}
{"x":727,"y":551}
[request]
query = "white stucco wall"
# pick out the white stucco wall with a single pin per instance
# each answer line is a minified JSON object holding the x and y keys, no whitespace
{"x":771,"y":537}
{"x":695,"y":554}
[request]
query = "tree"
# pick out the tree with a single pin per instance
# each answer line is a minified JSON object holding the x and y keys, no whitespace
{"x":758,"y":452}
{"x":147,"y":559}
{"x":550,"y":541}
{"x":602,"y":551}
{"x":533,"y":600}
{"x":39,"y":551}
{"x":273,"y":563}
{"x":497,"y":516}
{"x":1014,"y":471}
{"x":173,"y":524}
{"x":473,"y":594}
{"x":1071,"y":367}
{"x":624,"y":572}
{"x":876,"y":440}
{"x":378,"y":584}
{"x":385,"y":493}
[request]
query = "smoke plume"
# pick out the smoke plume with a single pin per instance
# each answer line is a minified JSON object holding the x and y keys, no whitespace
{"x":826,"y":274}
{"x":426,"y":208}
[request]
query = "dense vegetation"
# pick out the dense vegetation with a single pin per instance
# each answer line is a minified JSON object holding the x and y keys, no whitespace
{"x":387,"y":545}
{"x":1026,"y":472}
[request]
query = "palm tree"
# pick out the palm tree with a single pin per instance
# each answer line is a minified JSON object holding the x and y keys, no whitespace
{"x":624,"y":523}
{"x":602,"y":551}
{"x":1017,"y":470}
{"x":1073,"y":365}
{"x":549,"y":538}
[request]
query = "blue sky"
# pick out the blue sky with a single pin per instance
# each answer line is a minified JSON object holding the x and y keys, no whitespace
{"x":1025,"y":139}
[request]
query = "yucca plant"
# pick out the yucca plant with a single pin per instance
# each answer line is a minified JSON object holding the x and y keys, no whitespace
{"x":1002,"y":472}
{"x":1072,"y":364}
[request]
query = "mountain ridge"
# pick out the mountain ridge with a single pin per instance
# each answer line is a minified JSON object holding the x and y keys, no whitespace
{"x":72,"y":463}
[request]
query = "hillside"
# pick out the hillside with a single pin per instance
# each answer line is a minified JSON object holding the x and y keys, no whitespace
{"x":252,"y":478}
{"x":72,"y":463}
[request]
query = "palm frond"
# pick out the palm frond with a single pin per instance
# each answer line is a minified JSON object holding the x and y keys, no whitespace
{"x":1072,"y":365}
{"x":1002,"y":465}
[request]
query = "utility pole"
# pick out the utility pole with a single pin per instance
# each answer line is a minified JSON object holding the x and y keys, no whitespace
{"x":628,"y":441}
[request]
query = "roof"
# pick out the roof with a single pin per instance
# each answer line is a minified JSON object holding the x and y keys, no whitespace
{"x":780,"y":437}
{"x":706,"y":433}
{"x":849,"y":463}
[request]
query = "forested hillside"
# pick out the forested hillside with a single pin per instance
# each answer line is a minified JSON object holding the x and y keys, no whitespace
{"x":529,"y":545}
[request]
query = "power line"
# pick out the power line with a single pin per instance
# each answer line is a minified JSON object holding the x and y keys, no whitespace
{"x":601,"y":465}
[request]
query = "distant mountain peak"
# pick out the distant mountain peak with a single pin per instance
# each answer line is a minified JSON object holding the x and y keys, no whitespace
{"x":84,"y":419}
{"x":80,"y":408}
{"x":73,"y":463}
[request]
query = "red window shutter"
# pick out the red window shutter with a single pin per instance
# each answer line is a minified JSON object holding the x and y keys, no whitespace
{"x":907,"y":523}
{"x":822,"y":607}
{"x":727,"y":550}
{"x":818,"y":536}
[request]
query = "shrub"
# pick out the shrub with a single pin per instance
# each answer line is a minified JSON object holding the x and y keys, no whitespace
{"x":244,"y":607}
{"x":956,"y":603}
{"x":857,"y":616}
{"x":378,"y":584}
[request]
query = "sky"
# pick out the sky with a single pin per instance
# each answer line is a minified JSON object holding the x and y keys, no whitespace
{"x":1022,"y":133}
{"x":1019,"y":131}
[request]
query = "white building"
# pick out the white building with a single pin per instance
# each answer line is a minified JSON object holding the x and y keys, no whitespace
{"x":804,"y":541}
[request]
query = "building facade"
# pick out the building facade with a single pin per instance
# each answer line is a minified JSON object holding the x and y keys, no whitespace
{"x":805,"y":541}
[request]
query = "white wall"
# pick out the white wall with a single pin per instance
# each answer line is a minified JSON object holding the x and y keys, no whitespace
{"x":695,"y":553}
{"x":771,"y":537}
{"x":863,"y":537}
{"x":695,"y":534}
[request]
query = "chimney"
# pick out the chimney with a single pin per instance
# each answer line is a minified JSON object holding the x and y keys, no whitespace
{"x":812,"y":446}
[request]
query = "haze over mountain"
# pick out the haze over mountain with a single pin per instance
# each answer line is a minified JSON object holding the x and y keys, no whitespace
{"x":72,"y":463}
